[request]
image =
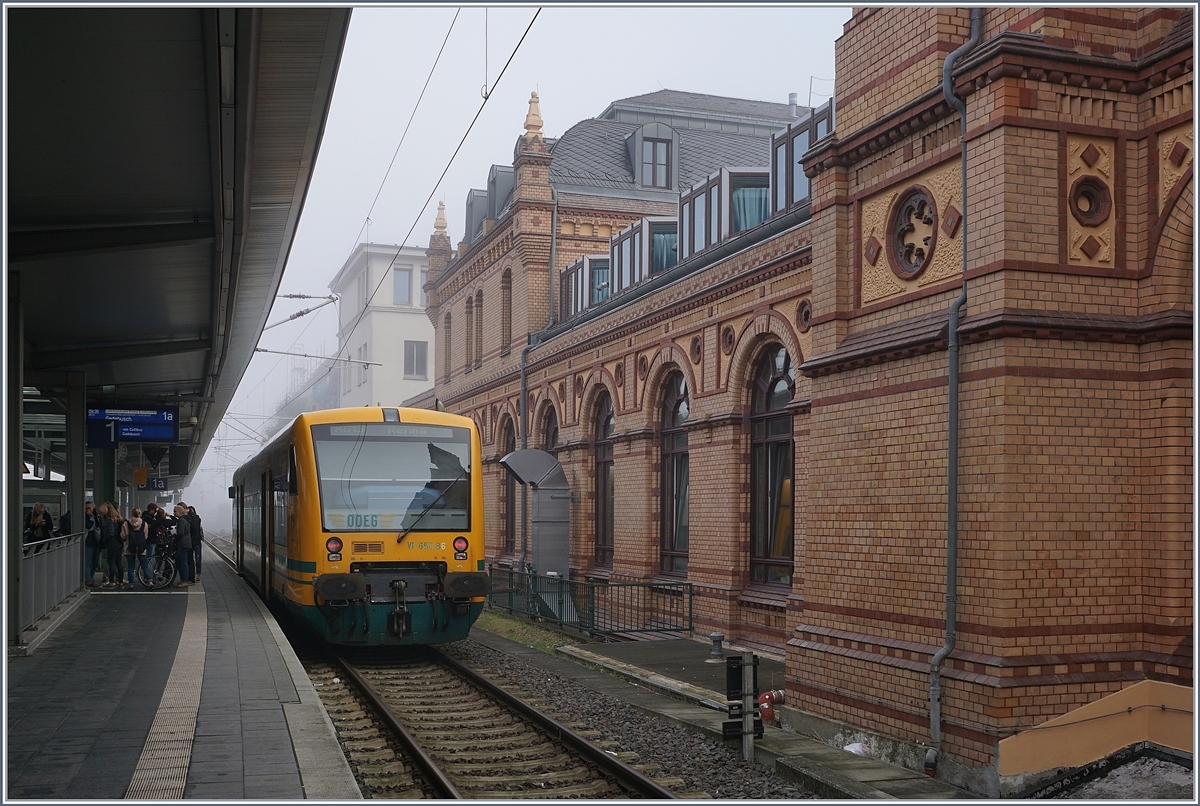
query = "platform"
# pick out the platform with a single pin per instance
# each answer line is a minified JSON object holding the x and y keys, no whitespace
{"x":181,"y":693}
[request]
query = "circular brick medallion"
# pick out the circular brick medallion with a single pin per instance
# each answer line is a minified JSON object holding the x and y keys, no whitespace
{"x":804,"y":315}
{"x":696,"y":350}
{"x":619,"y":374}
{"x":912,"y":232}
{"x":643,"y":367}
{"x":728,"y":339}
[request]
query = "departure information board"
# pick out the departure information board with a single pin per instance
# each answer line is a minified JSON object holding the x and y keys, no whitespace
{"x":108,"y":427}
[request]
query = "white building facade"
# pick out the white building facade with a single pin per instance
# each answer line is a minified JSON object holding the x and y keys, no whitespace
{"x":381,"y":319}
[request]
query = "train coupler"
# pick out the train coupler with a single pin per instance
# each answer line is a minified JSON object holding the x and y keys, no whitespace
{"x":399,"y":620}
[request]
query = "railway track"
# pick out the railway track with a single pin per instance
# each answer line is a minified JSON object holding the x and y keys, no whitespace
{"x":417,"y":724}
{"x":466,"y":738}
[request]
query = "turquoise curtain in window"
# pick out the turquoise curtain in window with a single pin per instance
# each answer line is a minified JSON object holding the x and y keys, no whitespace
{"x":663,"y":246}
{"x":751,"y":206}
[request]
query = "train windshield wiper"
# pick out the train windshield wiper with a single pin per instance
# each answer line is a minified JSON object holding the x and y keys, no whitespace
{"x":430,"y":505}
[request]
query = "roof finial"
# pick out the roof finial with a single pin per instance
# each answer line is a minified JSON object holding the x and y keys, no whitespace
{"x":533,"y":121}
{"x":439,"y":223}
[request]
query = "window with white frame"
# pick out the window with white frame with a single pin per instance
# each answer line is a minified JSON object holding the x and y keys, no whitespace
{"x":363,"y":356}
{"x":415,"y":353}
{"x":402,"y":285}
{"x":364,"y":290}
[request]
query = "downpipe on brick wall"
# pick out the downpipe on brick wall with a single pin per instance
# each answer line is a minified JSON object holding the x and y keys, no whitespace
{"x":935,"y":666}
{"x":534,"y":341}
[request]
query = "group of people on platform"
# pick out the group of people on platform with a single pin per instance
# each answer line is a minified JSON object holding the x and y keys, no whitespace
{"x":120,"y":546}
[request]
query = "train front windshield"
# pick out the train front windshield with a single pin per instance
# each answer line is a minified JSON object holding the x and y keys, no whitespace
{"x":382,"y":476}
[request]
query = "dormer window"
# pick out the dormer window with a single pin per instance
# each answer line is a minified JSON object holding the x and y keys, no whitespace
{"x":599,"y":285}
{"x":789,"y":183}
{"x":730,"y":201}
{"x":644,"y":248}
{"x":656,"y":161}
{"x":750,"y":201}
{"x":585,"y":283}
{"x":653,"y":151}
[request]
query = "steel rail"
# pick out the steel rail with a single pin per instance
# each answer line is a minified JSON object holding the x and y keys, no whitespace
{"x":429,"y":768}
{"x":625,"y":775}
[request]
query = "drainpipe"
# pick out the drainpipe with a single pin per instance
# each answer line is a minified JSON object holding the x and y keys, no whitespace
{"x":553,"y":243}
{"x":524,"y":410}
{"x":935,"y":666}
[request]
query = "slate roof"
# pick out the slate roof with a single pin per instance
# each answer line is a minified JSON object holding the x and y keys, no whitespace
{"x":592,"y":154}
{"x":699,"y":102}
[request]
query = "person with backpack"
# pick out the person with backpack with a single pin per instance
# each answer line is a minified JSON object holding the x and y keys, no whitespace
{"x":197,"y":535}
{"x":135,"y":531}
{"x":110,"y":531}
{"x":183,"y":536}
{"x":91,"y":542}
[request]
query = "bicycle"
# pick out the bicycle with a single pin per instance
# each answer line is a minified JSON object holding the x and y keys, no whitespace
{"x":162,"y":570}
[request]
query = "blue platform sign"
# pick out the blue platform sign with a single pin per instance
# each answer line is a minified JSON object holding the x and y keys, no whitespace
{"x":106,"y":427}
{"x":154,"y":484}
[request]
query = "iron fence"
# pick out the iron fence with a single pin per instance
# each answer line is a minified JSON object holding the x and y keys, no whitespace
{"x":51,"y":570}
{"x":597,"y":608}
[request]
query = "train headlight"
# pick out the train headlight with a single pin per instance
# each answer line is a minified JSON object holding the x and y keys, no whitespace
{"x":334,"y":546}
{"x":460,"y":548}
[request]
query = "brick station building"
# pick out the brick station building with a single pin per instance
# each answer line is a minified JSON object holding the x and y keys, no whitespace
{"x":765,"y":412}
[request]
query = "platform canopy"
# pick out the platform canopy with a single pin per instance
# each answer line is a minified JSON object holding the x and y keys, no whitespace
{"x":158,"y":161}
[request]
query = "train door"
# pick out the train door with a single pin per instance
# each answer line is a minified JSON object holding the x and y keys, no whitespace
{"x":264,"y":585}
{"x":239,"y":524}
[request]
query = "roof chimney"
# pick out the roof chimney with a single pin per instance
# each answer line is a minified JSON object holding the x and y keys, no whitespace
{"x":792,"y":99}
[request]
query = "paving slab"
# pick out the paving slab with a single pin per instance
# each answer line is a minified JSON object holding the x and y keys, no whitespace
{"x":82,"y":702}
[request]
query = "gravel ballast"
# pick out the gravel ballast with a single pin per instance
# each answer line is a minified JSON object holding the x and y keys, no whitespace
{"x":705,"y":765}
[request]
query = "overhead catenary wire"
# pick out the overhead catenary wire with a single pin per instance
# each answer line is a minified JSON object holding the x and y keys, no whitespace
{"x":449,"y":163}
{"x":367,"y":220}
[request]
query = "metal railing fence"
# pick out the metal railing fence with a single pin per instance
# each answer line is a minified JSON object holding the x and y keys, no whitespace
{"x":51,"y":570}
{"x":597,"y":608}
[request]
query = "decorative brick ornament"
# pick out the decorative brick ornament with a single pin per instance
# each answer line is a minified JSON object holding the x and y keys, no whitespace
{"x":951,"y":221}
{"x":804,"y":315}
{"x":643,"y":367}
{"x":562,"y":390}
{"x":579,"y":386}
{"x":912,"y":232}
{"x":619,"y":374}
{"x":728,"y":338}
{"x":696,"y":350}
{"x":873,"y":250}
{"x":1090,"y":201}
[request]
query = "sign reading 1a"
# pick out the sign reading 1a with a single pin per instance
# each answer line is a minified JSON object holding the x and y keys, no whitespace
{"x":108,"y":427}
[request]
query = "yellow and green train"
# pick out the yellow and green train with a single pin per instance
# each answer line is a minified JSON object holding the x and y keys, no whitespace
{"x":367,"y":524}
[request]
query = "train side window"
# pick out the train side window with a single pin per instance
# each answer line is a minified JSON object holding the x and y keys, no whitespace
{"x":293,"y":484}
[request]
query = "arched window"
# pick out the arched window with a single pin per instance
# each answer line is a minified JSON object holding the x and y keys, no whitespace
{"x":469,"y":341}
{"x":506,"y":309}
{"x":446,"y":343}
{"x":771,"y":469}
{"x":509,"y":442}
{"x":550,"y":431}
{"x":674,"y":549}
{"x":479,"y":328}
{"x":605,"y":494}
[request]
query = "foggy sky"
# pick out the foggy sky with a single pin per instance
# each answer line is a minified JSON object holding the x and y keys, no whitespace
{"x":578,"y":59}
